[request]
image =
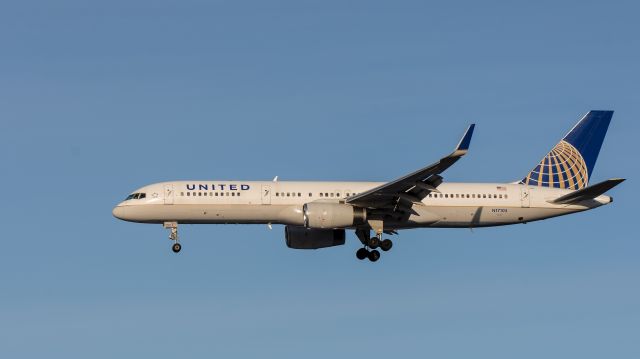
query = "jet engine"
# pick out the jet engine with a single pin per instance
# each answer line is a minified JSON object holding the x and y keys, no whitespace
{"x":332,"y":215}
{"x":304,"y":238}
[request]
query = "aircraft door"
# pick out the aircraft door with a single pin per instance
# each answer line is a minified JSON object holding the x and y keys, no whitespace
{"x":525,"y":196}
{"x":168,"y":194}
{"x":266,"y":194}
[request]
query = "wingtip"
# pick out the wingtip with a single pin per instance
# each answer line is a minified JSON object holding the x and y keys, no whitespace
{"x":465,"y":141}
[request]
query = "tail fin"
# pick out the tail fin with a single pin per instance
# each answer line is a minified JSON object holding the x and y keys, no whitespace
{"x":570,"y":163}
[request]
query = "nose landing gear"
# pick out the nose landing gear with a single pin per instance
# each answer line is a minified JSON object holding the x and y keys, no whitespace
{"x":173,"y":226}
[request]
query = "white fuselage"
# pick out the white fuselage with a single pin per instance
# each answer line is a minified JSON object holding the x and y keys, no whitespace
{"x":245,"y":202}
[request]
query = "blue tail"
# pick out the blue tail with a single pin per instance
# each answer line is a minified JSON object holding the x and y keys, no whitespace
{"x":570,"y":163}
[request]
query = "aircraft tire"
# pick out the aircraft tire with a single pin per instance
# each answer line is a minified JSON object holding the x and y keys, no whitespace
{"x":362,"y":253}
{"x":176,"y":247}
{"x":374,"y":242}
{"x":386,"y":245}
{"x":374,"y":255}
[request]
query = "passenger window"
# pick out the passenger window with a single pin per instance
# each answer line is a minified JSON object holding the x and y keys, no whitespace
{"x":216,"y":194}
{"x":338,"y":194}
{"x":326,"y":194}
{"x":331,"y":194}
{"x":495,"y":196}
{"x":188,"y":193}
{"x":309,"y":194}
{"x":467,"y":195}
{"x":299,"y":194}
{"x":321,"y":195}
{"x":277,"y":194}
{"x":500,"y":196}
{"x":484,"y":196}
{"x":238,"y":194}
{"x":233,"y":194}
{"x":505,"y":196}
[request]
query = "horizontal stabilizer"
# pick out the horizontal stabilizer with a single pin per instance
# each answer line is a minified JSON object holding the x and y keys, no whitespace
{"x":587,"y":193}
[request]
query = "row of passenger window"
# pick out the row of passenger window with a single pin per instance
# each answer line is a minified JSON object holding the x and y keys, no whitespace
{"x":237,"y":194}
{"x":211,"y":194}
{"x":321,"y":194}
{"x":467,"y":195}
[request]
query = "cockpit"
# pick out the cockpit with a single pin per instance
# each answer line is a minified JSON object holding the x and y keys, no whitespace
{"x":136,"y":196}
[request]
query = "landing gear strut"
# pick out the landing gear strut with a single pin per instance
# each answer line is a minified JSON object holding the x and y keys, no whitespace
{"x":371,"y":243}
{"x":173,"y":226}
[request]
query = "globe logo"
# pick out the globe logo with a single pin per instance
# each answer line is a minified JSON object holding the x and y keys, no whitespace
{"x":563,"y":167}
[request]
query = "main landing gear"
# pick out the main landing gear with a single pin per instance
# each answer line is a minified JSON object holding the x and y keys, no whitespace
{"x":173,"y":226}
{"x":371,"y":244}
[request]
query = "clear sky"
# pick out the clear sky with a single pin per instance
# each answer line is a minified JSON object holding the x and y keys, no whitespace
{"x":98,"y":98}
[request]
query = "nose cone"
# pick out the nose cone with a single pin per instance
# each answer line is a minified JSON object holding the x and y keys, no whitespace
{"x":120,"y":212}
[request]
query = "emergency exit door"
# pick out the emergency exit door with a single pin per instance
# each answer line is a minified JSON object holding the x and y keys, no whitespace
{"x":266,"y":194}
{"x":168,"y":194}
{"x":525,"y":196}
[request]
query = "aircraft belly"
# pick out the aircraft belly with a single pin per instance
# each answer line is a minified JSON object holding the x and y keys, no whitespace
{"x":485,"y":216}
{"x":215,"y":213}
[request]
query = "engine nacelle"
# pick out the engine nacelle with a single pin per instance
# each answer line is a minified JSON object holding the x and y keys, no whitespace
{"x":332,"y":215}
{"x":304,"y":238}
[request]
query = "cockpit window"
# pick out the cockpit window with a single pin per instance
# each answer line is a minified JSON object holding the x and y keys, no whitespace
{"x":136,"y":196}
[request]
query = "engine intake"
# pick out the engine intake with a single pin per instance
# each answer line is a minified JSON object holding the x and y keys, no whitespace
{"x":304,"y":238}
{"x":332,"y":215}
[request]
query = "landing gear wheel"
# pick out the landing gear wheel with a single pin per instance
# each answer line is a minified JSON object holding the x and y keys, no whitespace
{"x":176,"y":247}
{"x":386,"y":245}
{"x":362,"y":253}
{"x":374,"y":255}
{"x":374,"y":242}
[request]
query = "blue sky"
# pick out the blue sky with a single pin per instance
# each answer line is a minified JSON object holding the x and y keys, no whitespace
{"x":100,"y":98}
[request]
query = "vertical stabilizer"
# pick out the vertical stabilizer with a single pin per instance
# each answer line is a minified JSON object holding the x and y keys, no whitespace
{"x":570,"y":163}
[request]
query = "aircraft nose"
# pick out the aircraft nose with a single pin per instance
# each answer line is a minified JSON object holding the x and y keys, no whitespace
{"x":119,"y":212}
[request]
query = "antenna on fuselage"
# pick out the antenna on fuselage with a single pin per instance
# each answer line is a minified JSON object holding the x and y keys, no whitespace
{"x":275,"y":179}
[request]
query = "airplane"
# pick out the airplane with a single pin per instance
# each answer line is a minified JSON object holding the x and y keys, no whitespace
{"x":318,"y":214}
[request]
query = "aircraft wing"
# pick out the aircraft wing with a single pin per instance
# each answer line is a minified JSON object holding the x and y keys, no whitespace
{"x":404,"y":192}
